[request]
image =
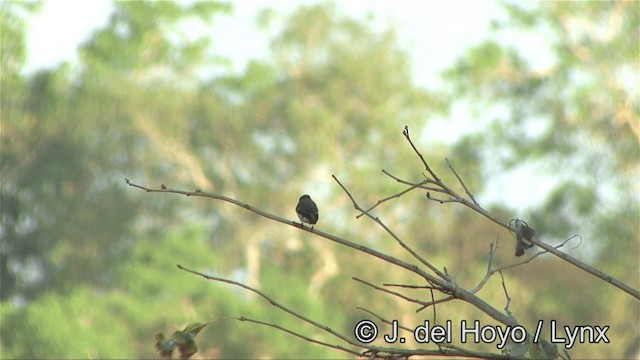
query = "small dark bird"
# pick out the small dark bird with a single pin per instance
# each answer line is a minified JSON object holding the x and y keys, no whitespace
{"x":307,"y":210}
{"x":523,"y":237}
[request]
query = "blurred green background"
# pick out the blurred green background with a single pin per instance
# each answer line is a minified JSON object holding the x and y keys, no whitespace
{"x":88,"y":263}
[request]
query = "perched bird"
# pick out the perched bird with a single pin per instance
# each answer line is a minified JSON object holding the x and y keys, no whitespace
{"x":523,"y":237}
{"x":307,"y":210}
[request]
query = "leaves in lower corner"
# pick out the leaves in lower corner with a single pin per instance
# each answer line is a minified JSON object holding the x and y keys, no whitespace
{"x":183,"y":340}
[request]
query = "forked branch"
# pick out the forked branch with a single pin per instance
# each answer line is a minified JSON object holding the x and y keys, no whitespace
{"x":473,"y":204}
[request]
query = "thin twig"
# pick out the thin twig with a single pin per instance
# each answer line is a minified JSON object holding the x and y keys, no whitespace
{"x":441,"y":201}
{"x":386,"y":352}
{"x":491,"y":271}
{"x":402,"y":296}
{"x":420,"y":184}
{"x":435,"y":302}
{"x":387,"y":199}
{"x":408,"y":286}
{"x":274,"y":303}
{"x":461,"y":182}
{"x":405,"y":132}
{"x":445,"y":284}
{"x":506,"y":294}
{"x":384,"y":320}
{"x":199,"y":193}
{"x":405,"y":246}
{"x":474,"y":205}
{"x":443,"y":349}
{"x":311,"y":340}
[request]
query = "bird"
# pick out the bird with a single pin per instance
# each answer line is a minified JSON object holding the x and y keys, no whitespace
{"x":523,"y":237}
{"x":307,"y":210}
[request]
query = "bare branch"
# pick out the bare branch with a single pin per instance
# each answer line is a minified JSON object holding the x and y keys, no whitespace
{"x":412,"y":268}
{"x":474,"y":205}
{"x":435,"y":302}
{"x":425,"y":304}
{"x":506,"y":294}
{"x":384,"y":320}
{"x":461,"y":182}
{"x":420,"y":184}
{"x":490,"y":271}
{"x":408,"y":286}
{"x":402,"y":296}
{"x":311,"y":340}
{"x":443,"y":284}
{"x":405,"y":132}
{"x":389,"y":198}
{"x":392,"y":353}
{"x":442,"y":347}
{"x":405,"y":246}
{"x":272,"y":302}
{"x":441,"y":201}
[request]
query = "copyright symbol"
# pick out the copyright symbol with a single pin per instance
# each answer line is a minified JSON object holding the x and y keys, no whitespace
{"x":366,"y":331}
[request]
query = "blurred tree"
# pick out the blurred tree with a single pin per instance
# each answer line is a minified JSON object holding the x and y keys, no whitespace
{"x":13,"y":56}
{"x":321,"y":105}
{"x":67,"y":143}
{"x":568,"y":107}
{"x":585,"y":102}
{"x":136,"y":108}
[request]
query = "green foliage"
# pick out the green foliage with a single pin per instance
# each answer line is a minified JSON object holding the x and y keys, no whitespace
{"x":143,"y":31}
{"x":13,"y":15}
{"x":58,"y":326}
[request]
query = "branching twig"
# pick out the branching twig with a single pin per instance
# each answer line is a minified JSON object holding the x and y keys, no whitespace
{"x":491,"y":271}
{"x":274,"y":303}
{"x":461,"y":182}
{"x":446,"y":286}
{"x":435,"y":302}
{"x":408,"y":286}
{"x":392,"y":353}
{"x":426,"y":304}
{"x":405,"y":132}
{"x":385,"y":320}
{"x":474,"y":206}
{"x":405,"y":246}
{"x":420,"y":184}
{"x":402,"y":296}
{"x":506,"y":294}
{"x":443,"y":347}
{"x":412,"y":268}
{"x":441,"y":282}
{"x":441,"y":201}
{"x":388,"y":198}
{"x":311,"y":340}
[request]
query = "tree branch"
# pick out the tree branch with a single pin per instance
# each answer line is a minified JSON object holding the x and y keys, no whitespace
{"x":394,"y":293}
{"x":445,"y":286}
{"x":402,"y":243}
{"x":455,"y":197}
